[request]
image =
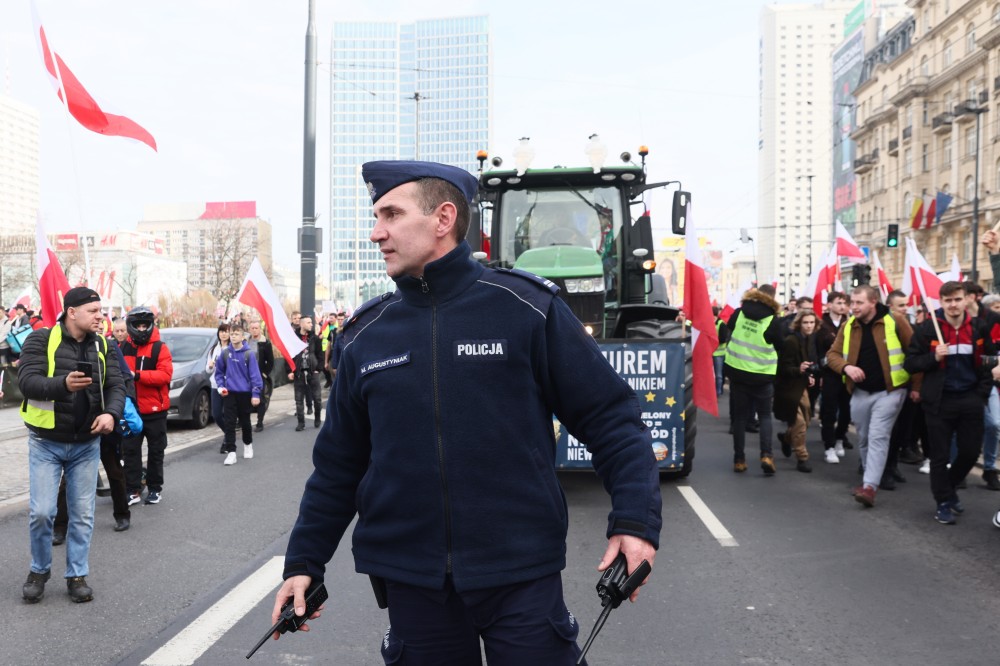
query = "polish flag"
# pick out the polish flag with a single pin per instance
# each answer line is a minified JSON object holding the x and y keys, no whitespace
{"x":847,"y":248}
{"x":883,"y":279}
{"x":920,"y":281}
{"x":823,"y":275}
{"x":81,"y":105}
{"x":258,"y":294}
{"x":52,"y":282}
{"x":733,"y":302}
{"x":704,"y":338}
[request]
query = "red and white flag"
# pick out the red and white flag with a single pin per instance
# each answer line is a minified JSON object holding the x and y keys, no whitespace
{"x":733,"y":301}
{"x":80,"y":103}
{"x":704,"y":337}
{"x":52,"y":282}
{"x":823,"y":275}
{"x":258,"y":294}
{"x":884,"y":285}
{"x":920,"y":282}
{"x":847,"y":248}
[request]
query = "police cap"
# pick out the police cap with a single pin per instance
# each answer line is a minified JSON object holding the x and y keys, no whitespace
{"x":383,"y":176}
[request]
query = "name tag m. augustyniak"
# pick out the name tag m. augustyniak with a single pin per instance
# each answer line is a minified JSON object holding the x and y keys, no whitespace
{"x":481,"y":350}
{"x":385,"y":364}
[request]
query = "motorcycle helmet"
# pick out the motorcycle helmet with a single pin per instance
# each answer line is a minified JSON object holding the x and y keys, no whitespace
{"x":136,"y":316}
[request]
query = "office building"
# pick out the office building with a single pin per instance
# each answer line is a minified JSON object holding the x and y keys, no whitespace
{"x":19,"y":158}
{"x":417,"y":90}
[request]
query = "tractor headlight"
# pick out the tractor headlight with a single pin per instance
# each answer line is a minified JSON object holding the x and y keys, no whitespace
{"x":585,"y":285}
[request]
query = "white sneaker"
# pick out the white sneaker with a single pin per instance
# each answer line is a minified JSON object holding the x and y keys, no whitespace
{"x":230,"y":458}
{"x":926,"y":467}
{"x":247,"y":451}
{"x":839,"y":449}
{"x":831,"y":456}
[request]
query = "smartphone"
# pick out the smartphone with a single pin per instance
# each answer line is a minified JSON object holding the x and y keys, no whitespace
{"x":86,"y":367}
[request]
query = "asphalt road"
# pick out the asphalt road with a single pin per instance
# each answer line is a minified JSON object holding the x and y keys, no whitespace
{"x":808,"y":577}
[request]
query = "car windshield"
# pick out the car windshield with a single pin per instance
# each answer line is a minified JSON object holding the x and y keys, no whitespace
{"x":582,"y":217}
{"x":185,"y":347}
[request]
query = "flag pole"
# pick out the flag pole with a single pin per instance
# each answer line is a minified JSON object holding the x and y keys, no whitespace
{"x":76,"y":172}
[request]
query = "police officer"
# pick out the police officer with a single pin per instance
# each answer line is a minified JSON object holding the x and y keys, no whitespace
{"x":459,"y":511}
{"x":751,"y":364}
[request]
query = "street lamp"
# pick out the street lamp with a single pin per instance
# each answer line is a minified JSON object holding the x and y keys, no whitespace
{"x":810,"y":176}
{"x":747,"y":238}
{"x":973,"y":106}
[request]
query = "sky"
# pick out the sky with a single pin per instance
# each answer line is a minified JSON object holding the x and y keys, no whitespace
{"x":219,"y":84}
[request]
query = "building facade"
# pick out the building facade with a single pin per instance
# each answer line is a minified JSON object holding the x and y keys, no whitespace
{"x":19,"y":158}
{"x":928,"y":122}
{"x":218,"y":240}
{"x":794,"y":167}
{"x":398,"y":91}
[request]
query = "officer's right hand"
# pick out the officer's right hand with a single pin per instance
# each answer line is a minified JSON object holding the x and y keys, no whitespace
{"x":291,"y":376}
{"x":77,"y":381}
{"x":294,"y":587}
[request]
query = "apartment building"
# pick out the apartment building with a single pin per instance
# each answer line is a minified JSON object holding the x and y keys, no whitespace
{"x":928,"y":121}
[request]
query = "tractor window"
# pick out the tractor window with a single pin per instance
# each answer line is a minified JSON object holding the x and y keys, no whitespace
{"x":583,"y":217}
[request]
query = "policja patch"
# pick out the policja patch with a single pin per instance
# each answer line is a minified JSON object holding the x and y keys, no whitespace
{"x":481,"y":350}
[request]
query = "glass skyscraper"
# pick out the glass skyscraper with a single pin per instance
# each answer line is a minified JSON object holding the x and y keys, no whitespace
{"x":408,"y":91}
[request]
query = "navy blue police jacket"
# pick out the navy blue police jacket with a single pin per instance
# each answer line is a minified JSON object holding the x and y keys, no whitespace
{"x":440,"y":437}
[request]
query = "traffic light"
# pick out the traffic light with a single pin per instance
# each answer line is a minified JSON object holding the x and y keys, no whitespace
{"x":892,"y":237}
{"x":861,"y":274}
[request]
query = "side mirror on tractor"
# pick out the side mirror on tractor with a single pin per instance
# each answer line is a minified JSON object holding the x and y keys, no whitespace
{"x":682,"y":208}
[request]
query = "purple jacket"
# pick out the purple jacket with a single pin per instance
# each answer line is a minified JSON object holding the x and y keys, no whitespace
{"x":238,"y":371}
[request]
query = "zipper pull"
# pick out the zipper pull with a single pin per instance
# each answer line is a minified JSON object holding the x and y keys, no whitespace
{"x":424,"y":288}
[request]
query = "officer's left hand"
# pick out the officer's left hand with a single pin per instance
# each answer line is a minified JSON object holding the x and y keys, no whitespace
{"x":102,"y":425}
{"x":636,"y":550}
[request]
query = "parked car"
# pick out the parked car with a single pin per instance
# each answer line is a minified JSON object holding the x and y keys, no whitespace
{"x":190,"y":388}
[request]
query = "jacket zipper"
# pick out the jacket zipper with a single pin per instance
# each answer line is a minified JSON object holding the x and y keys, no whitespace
{"x":437,"y":425}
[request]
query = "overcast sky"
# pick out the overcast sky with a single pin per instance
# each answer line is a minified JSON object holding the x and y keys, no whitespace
{"x":219,"y":84}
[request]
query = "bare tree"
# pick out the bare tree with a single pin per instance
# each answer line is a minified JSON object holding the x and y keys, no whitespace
{"x":229,"y":251}
{"x":127,"y":281}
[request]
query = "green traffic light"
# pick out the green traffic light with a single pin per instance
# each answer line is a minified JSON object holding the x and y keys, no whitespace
{"x":893,"y":242}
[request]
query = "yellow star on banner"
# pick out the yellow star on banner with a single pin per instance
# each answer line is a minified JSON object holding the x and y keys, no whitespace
{"x":670,"y":401}
{"x":683,"y":415}
{"x":650,"y":397}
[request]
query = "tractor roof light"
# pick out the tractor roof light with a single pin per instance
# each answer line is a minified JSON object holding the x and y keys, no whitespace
{"x":643,"y":151}
{"x":649,"y":265}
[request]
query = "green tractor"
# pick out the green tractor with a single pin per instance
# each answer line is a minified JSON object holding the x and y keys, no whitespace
{"x":575,"y":227}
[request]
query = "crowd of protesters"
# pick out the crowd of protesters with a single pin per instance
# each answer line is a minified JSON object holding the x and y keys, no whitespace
{"x":919,"y":387}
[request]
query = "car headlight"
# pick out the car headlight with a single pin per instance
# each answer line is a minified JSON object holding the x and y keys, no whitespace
{"x":585,"y":285}
{"x":179,"y":383}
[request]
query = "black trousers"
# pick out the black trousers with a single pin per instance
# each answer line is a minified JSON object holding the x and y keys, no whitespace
{"x":522,"y":624}
{"x":236,"y":408}
{"x":835,"y":409}
{"x":265,"y":400}
{"x":958,"y":417}
{"x":154,"y":431}
{"x":111,"y":459}
{"x":747,"y":400}
{"x":307,"y":387}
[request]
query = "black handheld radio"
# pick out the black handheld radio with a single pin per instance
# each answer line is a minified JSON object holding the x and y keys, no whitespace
{"x":614,"y":587}
{"x":288,"y":620}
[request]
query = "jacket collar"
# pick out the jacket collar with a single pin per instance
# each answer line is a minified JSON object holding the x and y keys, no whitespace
{"x":443,"y":279}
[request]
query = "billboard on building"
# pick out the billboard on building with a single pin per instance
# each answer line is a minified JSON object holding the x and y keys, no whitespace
{"x":847,"y":63}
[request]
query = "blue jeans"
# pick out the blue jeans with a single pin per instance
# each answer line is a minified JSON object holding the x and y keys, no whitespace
{"x":991,"y":430}
{"x":718,"y":362}
{"x":48,"y":461}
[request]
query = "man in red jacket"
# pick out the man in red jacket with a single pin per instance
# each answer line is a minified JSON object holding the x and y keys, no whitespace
{"x":150,"y":362}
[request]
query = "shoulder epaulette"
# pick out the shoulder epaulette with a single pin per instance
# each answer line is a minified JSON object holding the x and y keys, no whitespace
{"x":365,"y":307}
{"x":530,"y":277}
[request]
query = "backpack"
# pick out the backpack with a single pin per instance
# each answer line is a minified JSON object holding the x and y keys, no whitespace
{"x":128,"y":349}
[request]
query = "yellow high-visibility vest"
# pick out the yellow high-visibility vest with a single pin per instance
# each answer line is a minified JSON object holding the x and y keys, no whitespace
{"x":899,"y":376}
{"x":748,"y":350}
{"x":42,"y":413}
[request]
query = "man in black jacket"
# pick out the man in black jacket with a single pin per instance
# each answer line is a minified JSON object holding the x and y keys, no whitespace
{"x":262,"y":349}
{"x":953,"y":393}
{"x":835,"y":407}
{"x":74,"y":398}
{"x":308,"y":368}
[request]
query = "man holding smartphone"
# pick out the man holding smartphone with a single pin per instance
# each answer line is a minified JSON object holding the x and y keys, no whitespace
{"x":73,"y":393}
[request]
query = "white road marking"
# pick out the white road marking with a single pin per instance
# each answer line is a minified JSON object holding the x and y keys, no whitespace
{"x":184,"y":648}
{"x":707,"y":517}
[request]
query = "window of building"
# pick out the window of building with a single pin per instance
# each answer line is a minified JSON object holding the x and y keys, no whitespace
{"x":907,"y":206}
{"x":925,"y":159}
{"x":946,"y":152}
{"x":997,"y":188}
{"x":970,"y":188}
{"x":946,"y":54}
{"x":907,"y":163}
{"x":943,"y":251}
{"x":970,"y":142}
{"x":970,"y":39}
{"x":927,"y":114}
